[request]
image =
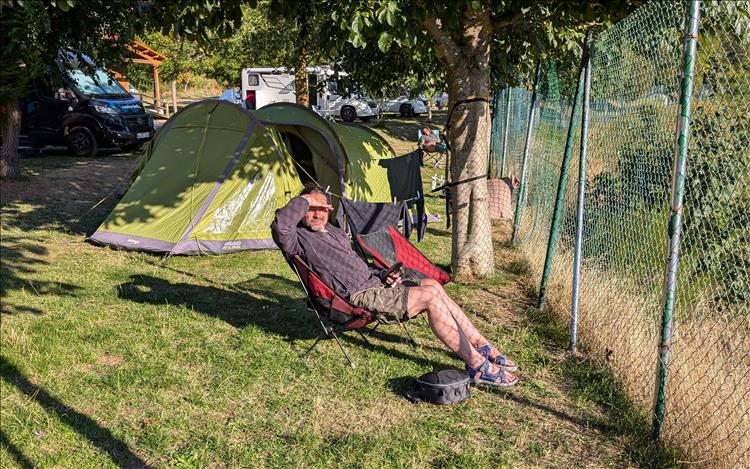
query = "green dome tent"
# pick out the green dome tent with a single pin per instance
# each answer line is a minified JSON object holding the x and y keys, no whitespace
{"x":214,"y":175}
{"x":344,"y":157}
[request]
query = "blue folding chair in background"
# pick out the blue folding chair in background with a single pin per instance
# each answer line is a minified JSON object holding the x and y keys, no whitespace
{"x":435,"y":157}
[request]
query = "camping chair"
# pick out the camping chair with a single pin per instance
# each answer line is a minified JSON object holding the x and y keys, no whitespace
{"x":387,"y":246}
{"x":334,"y":313}
{"x":434,"y":157}
{"x":379,"y":239}
{"x":367,"y":217}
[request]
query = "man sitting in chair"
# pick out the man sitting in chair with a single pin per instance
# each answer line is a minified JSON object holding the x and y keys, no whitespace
{"x":429,"y":141}
{"x":301,"y":228}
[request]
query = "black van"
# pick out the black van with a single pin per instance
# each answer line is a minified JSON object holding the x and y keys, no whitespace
{"x":83,"y":108}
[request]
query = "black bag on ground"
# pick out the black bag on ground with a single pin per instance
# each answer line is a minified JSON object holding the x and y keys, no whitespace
{"x":441,"y":387}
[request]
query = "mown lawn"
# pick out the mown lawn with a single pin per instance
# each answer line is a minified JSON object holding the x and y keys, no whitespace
{"x":110,"y":359}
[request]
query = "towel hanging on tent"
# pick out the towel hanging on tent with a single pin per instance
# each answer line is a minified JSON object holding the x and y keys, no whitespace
{"x":405,"y":179}
{"x":367,"y":217}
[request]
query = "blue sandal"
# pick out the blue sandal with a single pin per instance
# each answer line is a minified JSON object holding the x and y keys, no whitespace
{"x":499,"y":360}
{"x":499,"y":379}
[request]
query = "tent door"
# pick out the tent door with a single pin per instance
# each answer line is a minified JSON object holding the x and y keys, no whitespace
{"x":302,"y":155}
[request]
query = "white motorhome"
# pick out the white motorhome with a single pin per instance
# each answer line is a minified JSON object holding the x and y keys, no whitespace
{"x":263,"y":86}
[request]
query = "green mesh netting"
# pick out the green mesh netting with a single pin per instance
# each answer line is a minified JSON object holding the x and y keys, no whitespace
{"x":633,"y":111}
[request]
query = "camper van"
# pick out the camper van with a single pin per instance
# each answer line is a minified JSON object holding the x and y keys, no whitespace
{"x":82,"y":106}
{"x":263,"y":86}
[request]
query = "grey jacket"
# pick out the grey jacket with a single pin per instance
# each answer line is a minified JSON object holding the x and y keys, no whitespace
{"x":329,"y":253}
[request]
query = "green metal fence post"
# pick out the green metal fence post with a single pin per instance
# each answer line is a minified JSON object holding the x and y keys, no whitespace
{"x":508,"y":91}
{"x":674,"y":227}
{"x":563,"y":183}
{"x":495,"y":137}
{"x":579,"y":204}
{"x":527,"y":146}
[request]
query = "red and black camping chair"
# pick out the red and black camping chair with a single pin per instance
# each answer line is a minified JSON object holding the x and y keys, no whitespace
{"x":334,"y":313}
{"x":377,"y":237}
{"x":387,"y":246}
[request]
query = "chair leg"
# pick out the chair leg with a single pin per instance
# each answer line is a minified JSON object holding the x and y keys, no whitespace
{"x":411,"y":339}
{"x":329,"y":332}
{"x":318,"y":339}
{"x":341,"y":346}
{"x":364,"y":337}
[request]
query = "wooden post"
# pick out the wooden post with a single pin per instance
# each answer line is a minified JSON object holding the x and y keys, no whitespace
{"x":157,"y":89}
{"x":174,"y":96}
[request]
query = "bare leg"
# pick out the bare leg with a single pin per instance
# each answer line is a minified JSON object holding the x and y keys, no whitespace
{"x":427,"y":298}
{"x":473,"y":335}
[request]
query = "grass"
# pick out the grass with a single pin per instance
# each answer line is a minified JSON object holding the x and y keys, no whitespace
{"x":111,"y":360}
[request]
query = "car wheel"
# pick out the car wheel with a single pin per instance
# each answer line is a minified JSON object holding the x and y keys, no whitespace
{"x":81,"y":142}
{"x":405,"y":110}
{"x":348,"y":114}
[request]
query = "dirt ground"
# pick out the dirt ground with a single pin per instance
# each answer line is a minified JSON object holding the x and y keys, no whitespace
{"x":74,"y":182}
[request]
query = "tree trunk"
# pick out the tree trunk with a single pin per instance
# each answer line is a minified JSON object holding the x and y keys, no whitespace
{"x":469,"y":136}
{"x":301,"y":85}
{"x":10,"y":128}
{"x":429,"y":109}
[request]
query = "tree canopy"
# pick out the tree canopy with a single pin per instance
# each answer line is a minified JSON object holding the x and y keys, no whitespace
{"x":33,"y":31}
{"x":390,"y":40}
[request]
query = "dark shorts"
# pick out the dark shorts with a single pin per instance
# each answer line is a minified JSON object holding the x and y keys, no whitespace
{"x":389,"y":304}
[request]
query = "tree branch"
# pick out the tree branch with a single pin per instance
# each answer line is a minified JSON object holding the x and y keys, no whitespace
{"x":445,"y":47}
{"x":503,"y":21}
{"x":477,"y":36}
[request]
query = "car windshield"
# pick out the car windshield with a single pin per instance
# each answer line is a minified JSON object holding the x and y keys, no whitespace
{"x":97,"y":85}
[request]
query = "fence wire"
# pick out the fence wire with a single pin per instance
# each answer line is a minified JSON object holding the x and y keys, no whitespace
{"x":634,"y":108}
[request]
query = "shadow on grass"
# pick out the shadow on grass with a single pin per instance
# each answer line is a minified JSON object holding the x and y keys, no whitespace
{"x":435,"y":231}
{"x":257,"y":302}
{"x":72,"y":195}
{"x":404,"y":386}
{"x":102,"y":438}
{"x":408,"y":128}
{"x":268,"y":285}
{"x":15,"y":453}
{"x":592,"y":381}
{"x":275,"y":313}
{"x":526,"y":402}
{"x":414,"y":354}
{"x":20,"y":258}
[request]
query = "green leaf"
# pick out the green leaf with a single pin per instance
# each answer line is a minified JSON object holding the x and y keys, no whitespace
{"x":64,"y":5}
{"x":384,"y":42}
{"x":389,"y":18}
{"x":357,"y":24}
{"x":381,"y":15}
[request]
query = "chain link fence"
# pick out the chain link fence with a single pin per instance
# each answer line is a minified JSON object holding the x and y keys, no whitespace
{"x":633,"y":115}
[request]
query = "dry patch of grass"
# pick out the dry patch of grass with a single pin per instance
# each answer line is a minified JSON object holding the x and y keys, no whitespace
{"x":708,"y":402}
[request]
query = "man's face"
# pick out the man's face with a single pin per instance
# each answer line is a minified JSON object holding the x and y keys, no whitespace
{"x":426,"y":131}
{"x":316,"y":217}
